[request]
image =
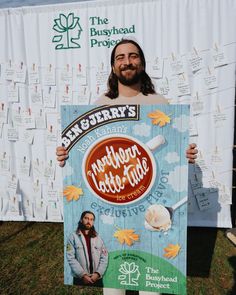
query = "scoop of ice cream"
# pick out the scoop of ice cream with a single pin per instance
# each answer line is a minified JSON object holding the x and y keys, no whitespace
{"x":158,"y":217}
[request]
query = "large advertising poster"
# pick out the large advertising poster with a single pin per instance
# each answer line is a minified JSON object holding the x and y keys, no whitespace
{"x":125,"y":196}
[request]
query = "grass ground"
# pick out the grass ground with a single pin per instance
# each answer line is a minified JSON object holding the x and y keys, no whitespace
{"x":31,"y":261}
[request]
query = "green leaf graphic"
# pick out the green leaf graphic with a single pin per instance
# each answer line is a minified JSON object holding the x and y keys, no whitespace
{"x":63,"y":21}
{"x":57,"y":38}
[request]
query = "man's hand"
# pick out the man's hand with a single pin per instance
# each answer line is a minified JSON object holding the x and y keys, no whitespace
{"x":62,"y":155}
{"x":191,"y":153}
{"x":87,"y":279}
{"x":95,"y":276}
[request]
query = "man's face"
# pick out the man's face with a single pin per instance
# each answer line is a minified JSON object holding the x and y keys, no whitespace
{"x":88,"y":220}
{"x":127,"y":64}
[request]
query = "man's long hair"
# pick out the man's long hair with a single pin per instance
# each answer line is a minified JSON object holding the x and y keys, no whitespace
{"x":92,"y":232}
{"x":147,"y":86}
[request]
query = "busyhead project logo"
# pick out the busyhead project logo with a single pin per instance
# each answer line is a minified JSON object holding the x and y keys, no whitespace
{"x":129,"y":274}
{"x":101,"y":31}
{"x":69,"y":30}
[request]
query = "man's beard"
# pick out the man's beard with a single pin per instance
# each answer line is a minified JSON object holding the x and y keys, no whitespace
{"x":131,"y":80}
{"x":86,"y":226}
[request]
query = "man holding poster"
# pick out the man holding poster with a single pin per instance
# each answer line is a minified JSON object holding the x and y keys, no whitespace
{"x":129,"y":83}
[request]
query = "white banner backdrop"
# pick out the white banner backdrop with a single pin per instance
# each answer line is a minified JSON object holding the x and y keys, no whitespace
{"x":60,"y":54}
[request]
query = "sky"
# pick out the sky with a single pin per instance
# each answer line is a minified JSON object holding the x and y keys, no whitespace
{"x":20,"y":3}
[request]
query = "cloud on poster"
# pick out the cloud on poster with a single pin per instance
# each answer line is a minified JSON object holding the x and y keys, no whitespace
{"x":177,"y":178}
{"x":172,"y":157}
{"x":142,"y":129}
{"x":107,"y":219}
{"x":181,"y":123}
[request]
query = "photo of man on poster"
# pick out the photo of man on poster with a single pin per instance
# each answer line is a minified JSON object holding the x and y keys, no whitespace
{"x":86,"y":253}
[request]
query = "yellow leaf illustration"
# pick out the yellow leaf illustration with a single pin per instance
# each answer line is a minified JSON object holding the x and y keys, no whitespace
{"x":172,"y":251}
{"x":159,"y":118}
{"x":126,"y":236}
{"x":72,"y":192}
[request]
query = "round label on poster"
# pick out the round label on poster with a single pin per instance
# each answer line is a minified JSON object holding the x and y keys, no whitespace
{"x":119,"y":169}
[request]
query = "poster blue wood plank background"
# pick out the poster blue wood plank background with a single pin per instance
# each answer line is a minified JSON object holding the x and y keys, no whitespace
{"x":106,"y":145}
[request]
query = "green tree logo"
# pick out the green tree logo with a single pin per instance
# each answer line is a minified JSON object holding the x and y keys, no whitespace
{"x":129,"y":274}
{"x":69,"y":29}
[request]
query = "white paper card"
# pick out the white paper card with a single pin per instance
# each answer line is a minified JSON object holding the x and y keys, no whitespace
{"x":80,"y":75}
{"x":219,"y":118}
{"x":35,"y":94}
{"x":163,"y":87}
{"x":9,"y":71}
{"x":28,"y":119}
{"x":37,"y":189}
{"x":65,"y":75}
{"x":101,"y":77}
{"x":13,"y":209}
{"x":49,"y":75}
{"x":224,"y":192}
{"x":13,"y":92}
{"x":20,"y":73}
{"x":12,"y":133}
{"x":197,"y":105}
{"x":54,"y":213}
{"x":216,"y":157}
{"x":183,"y":86}
{"x":38,"y":169}
{"x":40,"y":120}
{"x":33,"y":74}
{"x":195,"y":61}
{"x":4,"y":162}
{"x":225,"y":195}
{"x":26,"y":135}
{"x":100,"y":89}
{"x":210,"y":79}
{"x":51,"y":136}
{"x":49,"y":96}
{"x":82,"y":96}
{"x":12,"y":185}
{"x":65,"y":96}
{"x":17,"y":118}
{"x":219,"y":57}
{"x":156,"y":68}
{"x":51,"y":192}
{"x":49,"y":170}
{"x":40,"y":209}
{"x":176,"y":65}
{"x":23,"y":165}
